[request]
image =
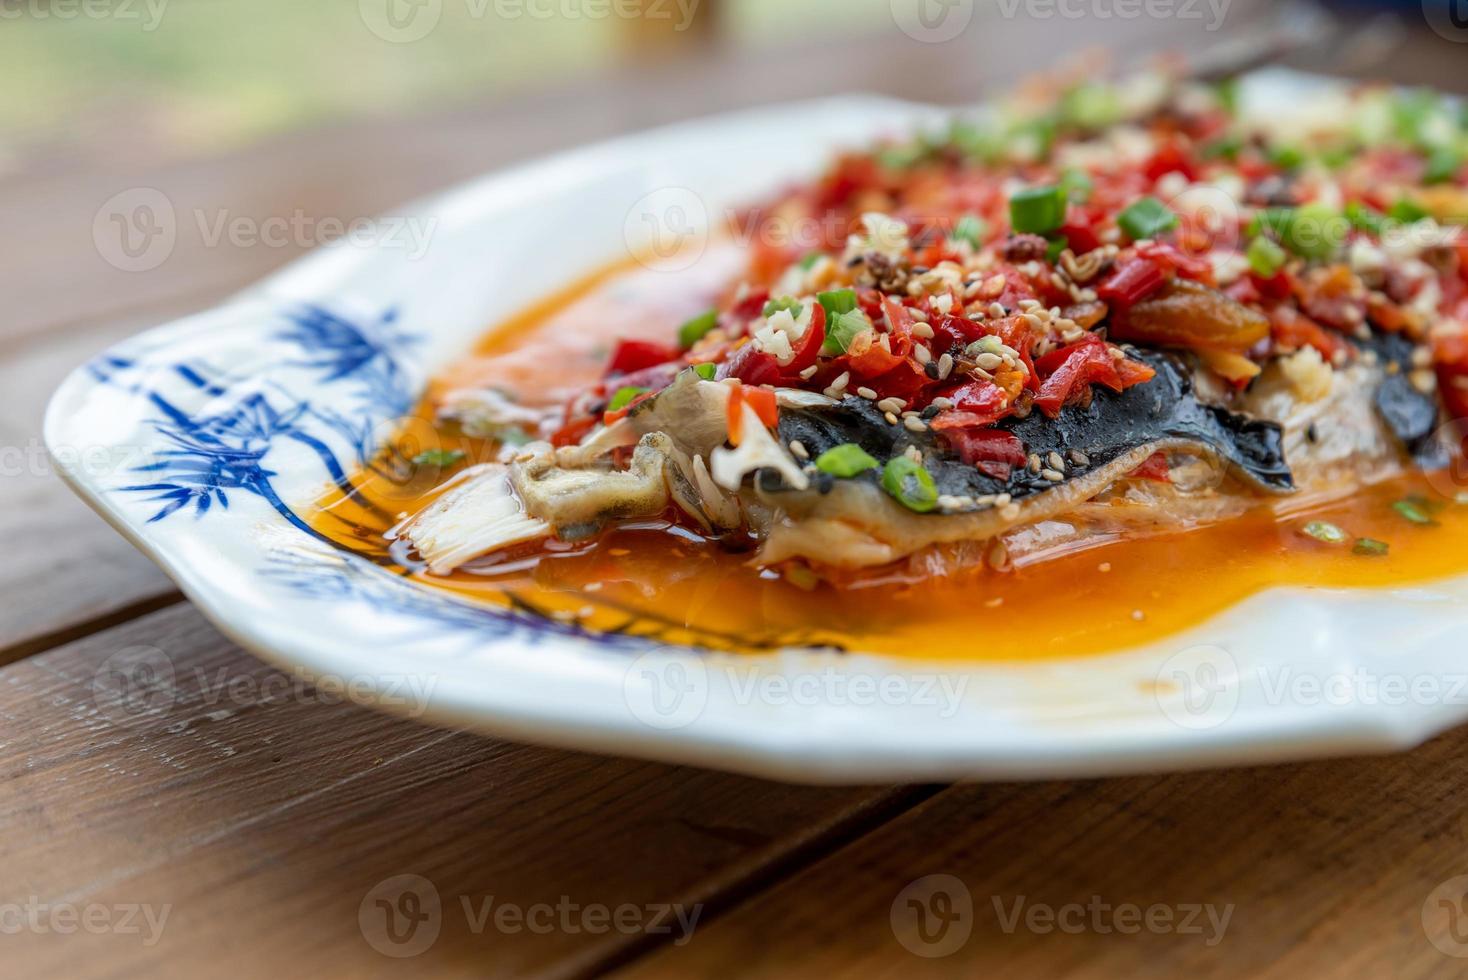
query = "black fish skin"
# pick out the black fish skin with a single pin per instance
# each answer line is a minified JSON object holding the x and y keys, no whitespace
{"x":1411,"y":415}
{"x":1109,"y":427}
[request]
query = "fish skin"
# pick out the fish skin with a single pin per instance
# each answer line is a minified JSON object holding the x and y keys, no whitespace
{"x":1163,"y":409}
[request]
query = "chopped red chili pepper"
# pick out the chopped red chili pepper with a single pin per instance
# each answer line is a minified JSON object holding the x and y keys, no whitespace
{"x":762,"y":400}
{"x":1071,"y":369}
{"x":994,"y":452}
{"x":1136,"y":280}
{"x":635,"y":355}
{"x":984,"y":400}
{"x":752,"y":366}
{"x":1155,"y":468}
{"x":809,"y":346}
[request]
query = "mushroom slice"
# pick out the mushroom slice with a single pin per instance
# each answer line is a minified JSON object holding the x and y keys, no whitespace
{"x":480,"y":515}
{"x":577,"y":502}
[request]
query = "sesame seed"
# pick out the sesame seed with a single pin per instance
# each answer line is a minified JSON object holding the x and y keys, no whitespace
{"x":997,"y":310}
{"x":1052,"y":475}
{"x":1033,"y":463}
{"x":1079,"y":458}
{"x":867,"y":393}
{"x":922,"y":353}
{"x":989,"y":362}
{"x":891,"y":419}
{"x":931,"y":370}
{"x":942,"y":402}
{"x":837,"y":388}
{"x":1104,"y":567}
{"x":922,"y":330}
{"x":1029,"y":304}
{"x":1009,"y":512}
{"x":1138,"y":615}
{"x":914,"y":454}
{"x":809,"y":372}
{"x":1001,"y":499}
{"x":915,"y":424}
{"x":945,"y":366}
{"x":1034,"y":321}
{"x":1056,"y":463}
{"x":892,"y":404}
{"x":798,"y":449}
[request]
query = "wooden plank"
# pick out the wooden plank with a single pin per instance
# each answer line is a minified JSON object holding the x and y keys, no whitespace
{"x":1323,"y":869}
{"x":264,"y":811}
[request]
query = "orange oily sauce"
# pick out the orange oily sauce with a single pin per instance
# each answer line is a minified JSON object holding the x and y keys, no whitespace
{"x":660,"y":580}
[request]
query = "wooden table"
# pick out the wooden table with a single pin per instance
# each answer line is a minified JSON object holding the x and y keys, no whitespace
{"x":264,"y":823}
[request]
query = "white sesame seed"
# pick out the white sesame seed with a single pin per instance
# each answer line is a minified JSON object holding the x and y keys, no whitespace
{"x":922,"y":353}
{"x":1029,"y":304}
{"x":997,"y":310}
{"x":1009,"y":512}
{"x":809,"y":372}
{"x":1104,"y":567}
{"x":1034,"y":321}
{"x":1001,"y":499}
{"x":1056,"y":462}
{"x":867,"y":393}
{"x":989,"y":362}
{"x":945,"y":366}
{"x":915,"y":424}
{"x":942,"y":403}
{"x":1138,"y":615}
{"x":1052,"y":475}
{"x":1079,"y":458}
{"x":891,"y":419}
{"x":1033,"y":463}
{"x":892,"y":404}
{"x":798,"y":449}
{"x":922,"y":330}
{"x":837,"y":388}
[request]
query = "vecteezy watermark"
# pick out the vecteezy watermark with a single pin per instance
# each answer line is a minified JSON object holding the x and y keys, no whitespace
{"x":1448,"y":18}
{"x":667,"y":689}
{"x":406,"y":21}
{"x":937,"y":21}
{"x":137,"y":230}
{"x":402,"y":917}
{"x":66,"y":918}
{"x":35,"y":459}
{"x":141,"y":684}
{"x":1095,"y":915}
{"x":1445,"y":916}
{"x":933,"y":916}
{"x":1201,"y":687}
{"x":667,"y":229}
{"x":147,"y":13}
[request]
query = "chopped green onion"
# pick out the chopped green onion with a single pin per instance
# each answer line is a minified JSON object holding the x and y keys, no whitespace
{"x":902,"y":156}
{"x":706,"y":371}
{"x":786,"y":303}
{"x":1368,"y":219}
{"x":1408,"y":212}
{"x":1287,"y":157}
{"x":1371,"y":547}
{"x":1077,"y":185}
{"x":1146,"y":218}
{"x":910,"y":484}
{"x":1311,"y":231}
{"x":1228,"y":95}
{"x":984,"y":144}
{"x":810,"y":260}
{"x":1326,"y":532}
{"x":1443,"y":164}
{"x":841,"y":330}
{"x":846,"y":460}
{"x":1037,"y":210}
{"x":1265,"y":257}
{"x":694,"y":330}
{"x":971,"y":229}
{"x":1336,"y":157}
{"x":624,"y":397}
{"x":837,"y":301}
{"x":442,"y":458}
{"x":1226,"y":148}
{"x":1058,"y":244}
{"x":1414,"y":510}
{"x":1092,"y":105}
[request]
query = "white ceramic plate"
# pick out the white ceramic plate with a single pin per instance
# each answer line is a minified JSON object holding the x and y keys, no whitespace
{"x":202,"y":441}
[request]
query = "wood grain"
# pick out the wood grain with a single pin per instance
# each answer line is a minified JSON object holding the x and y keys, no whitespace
{"x":1326,"y":866}
{"x":263,"y":811}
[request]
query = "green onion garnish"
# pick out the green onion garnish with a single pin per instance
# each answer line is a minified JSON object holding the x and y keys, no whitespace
{"x":1366,"y":218}
{"x":1077,"y":185}
{"x":1146,"y":218}
{"x":970,"y":228}
{"x":694,"y":330}
{"x":846,"y":460}
{"x":837,"y":301}
{"x":810,"y":259}
{"x":624,"y":397}
{"x":910,"y":484}
{"x":1408,"y":212}
{"x":1443,"y":164}
{"x":1287,"y":157}
{"x":1091,"y":105}
{"x":1326,"y":532}
{"x":1311,"y":231}
{"x":706,"y":371}
{"x":1036,"y":210}
{"x":1371,"y":547}
{"x":1226,"y":148}
{"x":841,"y":330}
{"x":787,"y":303}
{"x":1265,"y":257}
{"x":442,"y":458}
{"x":1058,"y":244}
{"x":1414,"y":511}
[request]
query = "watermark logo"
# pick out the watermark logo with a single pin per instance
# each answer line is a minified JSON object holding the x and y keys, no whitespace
{"x":933,"y":917}
{"x":134,"y":685}
{"x":1445,"y":917}
{"x":148,"y":13}
{"x":401,"y":917}
{"x":1198,"y":688}
{"x":667,"y":230}
{"x":666,"y":689}
{"x":1447,"y":18}
{"x":136,"y":230}
{"x":65,"y":919}
{"x":1105,"y":918}
{"x":932,"y":21}
{"x":401,"y":21}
